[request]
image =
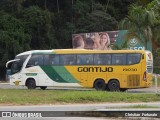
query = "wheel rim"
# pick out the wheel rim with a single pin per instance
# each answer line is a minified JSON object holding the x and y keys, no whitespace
{"x":114,"y":86}
{"x":31,"y":84}
{"x":100,"y":85}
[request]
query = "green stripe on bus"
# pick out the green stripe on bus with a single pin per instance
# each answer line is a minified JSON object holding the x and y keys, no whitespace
{"x":31,"y":74}
{"x":59,"y":74}
{"x":65,"y":74}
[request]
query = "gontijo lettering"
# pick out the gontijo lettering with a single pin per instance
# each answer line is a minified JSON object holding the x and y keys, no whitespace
{"x":95,"y":69}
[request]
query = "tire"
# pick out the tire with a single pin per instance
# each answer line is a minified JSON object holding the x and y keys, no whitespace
{"x":31,"y":84}
{"x":43,"y":87}
{"x":99,"y":85}
{"x":113,"y":85}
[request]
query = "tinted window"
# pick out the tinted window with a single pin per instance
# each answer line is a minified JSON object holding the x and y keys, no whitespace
{"x":85,"y":59}
{"x":119,"y":59}
{"x":46,"y":59}
{"x":102,"y":59}
{"x":67,"y":59}
{"x":54,"y":60}
{"x":22,"y":59}
{"x":133,"y":58}
{"x":35,"y":60}
{"x":15,"y":67}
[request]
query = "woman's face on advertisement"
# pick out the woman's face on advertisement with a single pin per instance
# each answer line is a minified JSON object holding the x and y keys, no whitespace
{"x":104,"y":39}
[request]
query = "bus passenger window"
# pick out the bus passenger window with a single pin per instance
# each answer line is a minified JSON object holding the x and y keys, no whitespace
{"x":85,"y":59}
{"x":89,"y":59}
{"x":81,"y":60}
{"x":102,"y":59}
{"x":35,"y":60}
{"x":54,"y":60}
{"x":46,"y":59}
{"x":68,"y":59}
{"x":97,"y":59}
{"x":133,"y":58}
{"x":119,"y":59}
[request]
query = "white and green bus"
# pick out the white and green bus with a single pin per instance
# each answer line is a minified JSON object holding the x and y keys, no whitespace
{"x":100,"y":69}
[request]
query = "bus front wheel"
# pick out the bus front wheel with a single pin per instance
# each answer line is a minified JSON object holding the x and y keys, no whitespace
{"x":31,"y":84}
{"x":43,"y":87}
{"x":99,"y":84}
{"x":113,"y":85}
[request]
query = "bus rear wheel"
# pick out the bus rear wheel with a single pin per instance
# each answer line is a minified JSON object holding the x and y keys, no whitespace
{"x":99,"y":84}
{"x":31,"y":84}
{"x":43,"y":87}
{"x":113,"y":85}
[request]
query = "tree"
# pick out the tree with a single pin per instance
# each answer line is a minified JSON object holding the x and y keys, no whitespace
{"x":139,"y":23}
{"x":13,"y":39}
{"x":38,"y":23}
{"x":92,"y":17}
{"x":16,"y":5}
{"x":155,"y":5}
{"x":12,"y":6}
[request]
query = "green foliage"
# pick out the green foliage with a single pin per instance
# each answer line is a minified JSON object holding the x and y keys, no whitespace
{"x":38,"y":23}
{"x":93,"y":17}
{"x":13,"y":38}
{"x":118,"y":8}
{"x":156,"y":62}
{"x":12,"y":6}
{"x":141,"y":22}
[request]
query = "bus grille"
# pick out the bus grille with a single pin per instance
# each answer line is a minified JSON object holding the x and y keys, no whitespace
{"x":133,"y":80}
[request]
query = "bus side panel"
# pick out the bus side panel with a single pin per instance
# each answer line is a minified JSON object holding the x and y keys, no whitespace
{"x":31,"y":73}
{"x":129,"y":76}
{"x":61,"y":76}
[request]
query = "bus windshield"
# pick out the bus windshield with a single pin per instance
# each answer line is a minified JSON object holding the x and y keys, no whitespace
{"x":17,"y":65}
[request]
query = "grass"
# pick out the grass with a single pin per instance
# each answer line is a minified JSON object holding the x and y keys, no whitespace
{"x":39,"y":97}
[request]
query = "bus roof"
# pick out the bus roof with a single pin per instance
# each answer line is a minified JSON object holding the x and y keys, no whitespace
{"x":74,"y":51}
{"x":65,"y":51}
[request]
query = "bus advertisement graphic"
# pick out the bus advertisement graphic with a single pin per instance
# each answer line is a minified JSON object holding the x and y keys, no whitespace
{"x":107,"y":41}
